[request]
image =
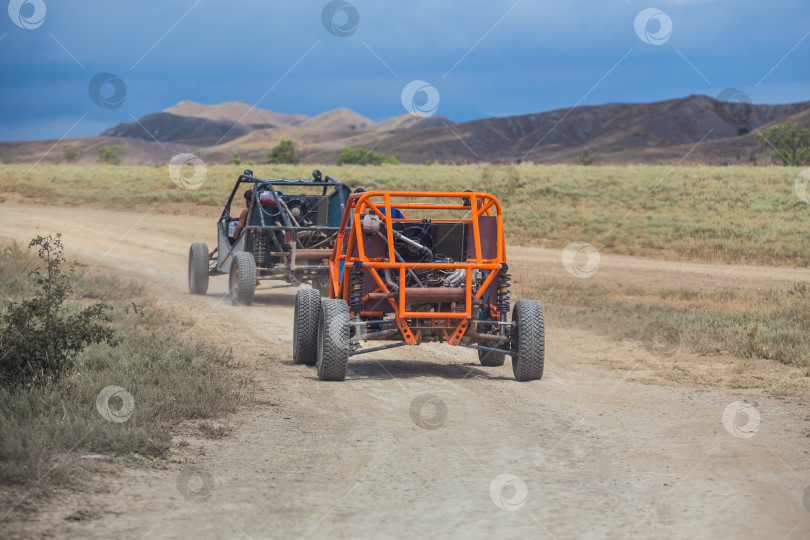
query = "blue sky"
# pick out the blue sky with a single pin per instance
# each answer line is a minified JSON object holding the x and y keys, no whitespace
{"x":542,"y":55}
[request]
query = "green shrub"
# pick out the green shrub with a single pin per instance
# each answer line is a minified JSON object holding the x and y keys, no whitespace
{"x":111,"y":155}
{"x":70,"y":154}
{"x":585,"y":159}
{"x":39,"y":337}
{"x":786,"y":143}
{"x":283,"y":153}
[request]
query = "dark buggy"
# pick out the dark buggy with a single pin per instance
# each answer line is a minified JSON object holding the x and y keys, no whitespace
{"x":289,"y":234}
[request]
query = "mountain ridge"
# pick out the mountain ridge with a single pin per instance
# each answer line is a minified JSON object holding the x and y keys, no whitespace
{"x":695,"y":128}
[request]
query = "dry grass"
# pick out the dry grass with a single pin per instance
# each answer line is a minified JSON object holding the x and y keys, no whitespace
{"x":726,"y":338}
{"x":730,"y":214}
{"x":214,"y":431}
{"x":43,"y":431}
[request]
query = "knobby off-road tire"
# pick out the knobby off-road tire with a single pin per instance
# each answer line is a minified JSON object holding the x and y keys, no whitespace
{"x":333,"y":340}
{"x":305,"y":326}
{"x":242,"y":279}
{"x":489,"y":358}
{"x":529,"y":340}
{"x":198,"y":268}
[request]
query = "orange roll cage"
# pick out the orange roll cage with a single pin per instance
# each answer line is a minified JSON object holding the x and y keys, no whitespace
{"x":379,"y":203}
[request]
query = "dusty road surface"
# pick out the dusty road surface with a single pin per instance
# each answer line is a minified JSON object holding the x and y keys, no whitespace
{"x":425,"y":443}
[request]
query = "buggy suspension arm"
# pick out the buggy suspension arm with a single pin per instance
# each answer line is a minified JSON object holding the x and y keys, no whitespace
{"x":381,"y":348}
{"x":484,"y":348}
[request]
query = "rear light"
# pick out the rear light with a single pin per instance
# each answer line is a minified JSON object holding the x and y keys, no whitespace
{"x":287,"y":237}
{"x":266,"y":199}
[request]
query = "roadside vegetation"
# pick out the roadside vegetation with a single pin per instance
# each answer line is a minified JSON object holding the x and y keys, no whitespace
{"x":66,"y":335}
{"x":40,"y":338}
{"x":744,"y":338}
{"x":748,"y":215}
{"x":770,"y":324}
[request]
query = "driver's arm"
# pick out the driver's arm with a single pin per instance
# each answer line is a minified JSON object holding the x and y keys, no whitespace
{"x":241,"y":225}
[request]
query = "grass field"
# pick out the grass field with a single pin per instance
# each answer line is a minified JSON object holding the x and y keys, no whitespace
{"x":752,"y":326}
{"x":730,"y":214}
{"x":740,"y":215}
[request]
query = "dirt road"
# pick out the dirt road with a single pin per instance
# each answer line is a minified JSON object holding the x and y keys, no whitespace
{"x":590,"y":454}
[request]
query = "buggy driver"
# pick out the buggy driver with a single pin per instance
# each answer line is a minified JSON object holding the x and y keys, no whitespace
{"x":243,"y":216}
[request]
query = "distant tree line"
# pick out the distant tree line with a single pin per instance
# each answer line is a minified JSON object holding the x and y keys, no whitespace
{"x":361,"y":156}
{"x":284,"y":154}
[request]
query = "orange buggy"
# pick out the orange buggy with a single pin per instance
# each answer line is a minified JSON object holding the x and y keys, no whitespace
{"x":413,"y":267}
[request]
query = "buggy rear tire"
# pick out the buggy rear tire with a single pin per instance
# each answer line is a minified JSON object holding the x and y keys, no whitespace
{"x":242,"y":279}
{"x":333,"y":340}
{"x":198,"y":268}
{"x":529,"y":340}
{"x":305,"y":326}
{"x":491,"y":359}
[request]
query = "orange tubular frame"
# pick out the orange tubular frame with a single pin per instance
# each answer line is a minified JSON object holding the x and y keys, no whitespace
{"x":379,"y":203}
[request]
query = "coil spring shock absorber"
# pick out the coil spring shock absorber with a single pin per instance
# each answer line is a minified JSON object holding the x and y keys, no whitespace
{"x":504,"y":282}
{"x":356,"y":288}
{"x":259,"y":249}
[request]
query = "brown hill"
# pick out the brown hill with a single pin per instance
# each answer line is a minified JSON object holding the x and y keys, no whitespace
{"x":235,"y":111}
{"x":166,"y":127}
{"x":614,"y":133}
{"x":336,"y":120}
{"x":695,"y":129}
{"x":412,"y":122}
